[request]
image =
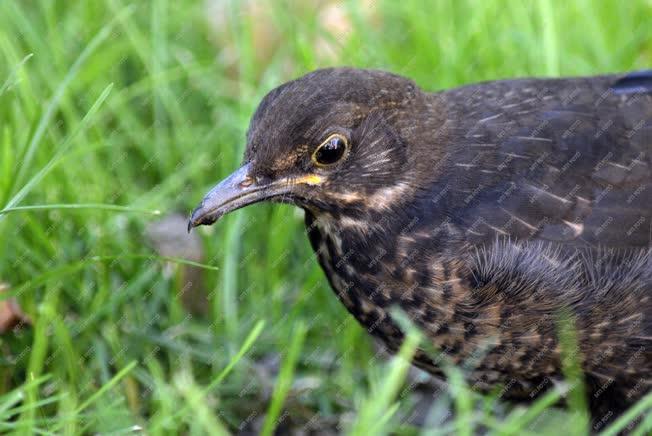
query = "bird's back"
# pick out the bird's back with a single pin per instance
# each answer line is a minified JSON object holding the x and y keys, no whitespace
{"x":562,"y":160}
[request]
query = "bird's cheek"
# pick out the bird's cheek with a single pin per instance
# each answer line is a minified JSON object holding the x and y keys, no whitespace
{"x":341,"y":197}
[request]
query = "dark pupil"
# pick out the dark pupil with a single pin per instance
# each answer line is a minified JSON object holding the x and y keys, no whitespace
{"x":331,"y":152}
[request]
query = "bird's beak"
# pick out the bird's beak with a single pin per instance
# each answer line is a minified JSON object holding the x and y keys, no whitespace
{"x":238,"y":190}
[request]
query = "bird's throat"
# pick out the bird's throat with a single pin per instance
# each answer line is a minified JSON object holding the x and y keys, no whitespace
{"x":372,"y":272}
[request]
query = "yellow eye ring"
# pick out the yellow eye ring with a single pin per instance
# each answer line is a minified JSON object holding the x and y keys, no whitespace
{"x":331,"y":151}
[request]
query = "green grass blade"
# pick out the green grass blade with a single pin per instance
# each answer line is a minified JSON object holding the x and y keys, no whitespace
{"x":44,"y":171}
{"x":202,"y":413}
{"x":645,"y":404}
{"x":284,"y":380}
{"x":52,"y":105}
{"x":93,"y":206}
{"x":107,"y":386}
{"x":373,"y":414}
{"x":246,"y":345}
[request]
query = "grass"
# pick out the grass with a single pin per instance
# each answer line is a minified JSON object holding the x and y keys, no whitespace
{"x":112,"y":112}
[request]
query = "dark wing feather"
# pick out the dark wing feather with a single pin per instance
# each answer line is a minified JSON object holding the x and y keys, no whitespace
{"x":566,"y":160}
{"x":636,"y":82}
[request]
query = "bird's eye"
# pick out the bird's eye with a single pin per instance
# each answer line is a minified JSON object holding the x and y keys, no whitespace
{"x":330,"y":151}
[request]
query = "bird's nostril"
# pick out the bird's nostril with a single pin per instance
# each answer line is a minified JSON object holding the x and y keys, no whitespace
{"x":248,"y":181}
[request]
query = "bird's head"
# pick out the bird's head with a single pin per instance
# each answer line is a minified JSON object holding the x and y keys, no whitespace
{"x":329,"y":140}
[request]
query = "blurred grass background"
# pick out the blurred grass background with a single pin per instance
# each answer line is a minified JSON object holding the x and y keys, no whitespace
{"x":145,"y":105}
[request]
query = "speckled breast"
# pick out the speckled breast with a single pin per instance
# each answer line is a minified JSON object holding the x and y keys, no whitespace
{"x":354,"y":278}
{"x":370,"y":279}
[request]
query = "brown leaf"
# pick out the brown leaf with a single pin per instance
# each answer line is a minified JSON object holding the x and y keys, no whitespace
{"x":11,"y":315}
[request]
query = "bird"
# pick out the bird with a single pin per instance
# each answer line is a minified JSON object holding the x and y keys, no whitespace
{"x":487,"y":213}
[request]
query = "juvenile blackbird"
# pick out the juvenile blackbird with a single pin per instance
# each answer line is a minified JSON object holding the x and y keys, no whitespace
{"x":483,"y":212}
